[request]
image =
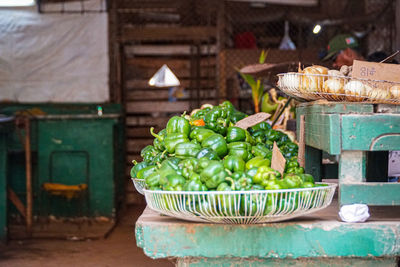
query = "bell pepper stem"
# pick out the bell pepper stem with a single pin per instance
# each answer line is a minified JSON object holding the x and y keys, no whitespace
{"x":155,"y":135}
{"x":134,"y":162}
{"x":232,"y":182}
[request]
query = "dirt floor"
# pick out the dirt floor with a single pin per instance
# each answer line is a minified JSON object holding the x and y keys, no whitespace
{"x":118,"y":249}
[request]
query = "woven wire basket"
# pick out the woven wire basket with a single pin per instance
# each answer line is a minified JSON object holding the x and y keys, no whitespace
{"x":240,"y":207}
{"x":338,"y":88}
{"x":139,"y":184}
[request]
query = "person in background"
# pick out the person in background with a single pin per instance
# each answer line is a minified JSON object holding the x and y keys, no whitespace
{"x":342,"y":50}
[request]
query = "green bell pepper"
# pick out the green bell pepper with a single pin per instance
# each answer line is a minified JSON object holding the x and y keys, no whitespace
{"x":213,"y":174}
{"x":243,"y":183}
{"x":216,"y":120}
{"x":148,"y":153}
{"x":159,"y":157}
{"x":235,"y":134}
{"x":237,"y":116}
{"x":259,"y":137}
{"x":264,"y":173}
{"x":262,"y":126}
{"x":260,"y":150}
{"x":172,"y":139}
{"x":175,"y":182}
{"x":257,"y":162}
{"x":234,"y":163}
{"x":249,"y":138}
{"x":178,"y":124}
{"x":207,"y":153}
{"x":217,"y":143}
{"x":251,"y":172}
{"x":275,"y":184}
{"x":199,"y":133}
{"x":306,"y":178}
{"x":187,"y":150}
{"x":146,"y":171}
{"x":188,"y":166}
{"x":137,"y":167}
{"x":295,"y":170}
{"x":153,"y":180}
{"x":241,"y":149}
{"x":158,"y":142}
{"x":292,"y":180}
{"x":194,"y":185}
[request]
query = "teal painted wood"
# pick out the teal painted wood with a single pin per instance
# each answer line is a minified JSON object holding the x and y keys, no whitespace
{"x":352,"y":166}
{"x":314,"y":262}
{"x":74,"y":152}
{"x":377,"y":194}
{"x":3,"y":187}
{"x":334,"y":108}
{"x":164,"y":237}
{"x":360,"y":132}
{"x":322,"y":131}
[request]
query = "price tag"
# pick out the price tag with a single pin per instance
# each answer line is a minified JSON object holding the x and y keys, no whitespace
{"x":252,"y":120}
{"x":278,"y":161}
{"x":376,"y":71}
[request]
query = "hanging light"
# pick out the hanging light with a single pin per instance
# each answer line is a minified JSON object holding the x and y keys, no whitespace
{"x":164,"y":77}
{"x":317,"y":29}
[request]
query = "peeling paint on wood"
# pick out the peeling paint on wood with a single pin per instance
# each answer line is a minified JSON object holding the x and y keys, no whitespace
{"x":302,"y":262}
{"x":304,"y":238}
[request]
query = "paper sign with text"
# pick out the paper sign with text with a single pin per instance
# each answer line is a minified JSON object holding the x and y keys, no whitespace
{"x":278,"y":161}
{"x":376,"y":71}
{"x":252,"y":120}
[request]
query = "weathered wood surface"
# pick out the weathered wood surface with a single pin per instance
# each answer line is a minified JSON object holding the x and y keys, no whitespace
{"x":352,"y":166}
{"x":323,"y":106}
{"x":181,"y":33}
{"x":168,"y":50}
{"x":376,"y":194}
{"x":320,"y":235}
{"x":350,"y":130}
{"x":323,"y":132}
{"x":361,"y":132}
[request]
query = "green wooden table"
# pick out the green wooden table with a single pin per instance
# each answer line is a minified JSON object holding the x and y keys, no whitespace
{"x":318,"y":239}
{"x":350,"y":131}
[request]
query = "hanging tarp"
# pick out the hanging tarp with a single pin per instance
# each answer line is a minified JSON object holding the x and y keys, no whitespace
{"x":53,"y":57}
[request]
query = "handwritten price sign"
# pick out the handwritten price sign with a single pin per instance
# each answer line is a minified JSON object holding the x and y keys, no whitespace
{"x":376,"y":71}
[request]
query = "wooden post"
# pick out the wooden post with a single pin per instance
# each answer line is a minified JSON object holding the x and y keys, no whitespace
{"x":302,"y":143}
{"x":29,"y":198}
{"x":397,"y":42}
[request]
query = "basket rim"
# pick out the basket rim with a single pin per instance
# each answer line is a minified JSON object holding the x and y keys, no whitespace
{"x":329,"y":186}
{"x":335,"y":76}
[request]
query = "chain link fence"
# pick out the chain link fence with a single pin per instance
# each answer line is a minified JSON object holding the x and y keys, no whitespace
{"x":287,"y":32}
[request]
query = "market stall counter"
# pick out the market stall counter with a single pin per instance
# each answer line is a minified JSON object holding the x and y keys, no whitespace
{"x":319,"y":239}
{"x":351,"y":130}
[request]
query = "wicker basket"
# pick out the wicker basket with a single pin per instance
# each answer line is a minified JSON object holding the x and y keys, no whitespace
{"x":338,"y":88}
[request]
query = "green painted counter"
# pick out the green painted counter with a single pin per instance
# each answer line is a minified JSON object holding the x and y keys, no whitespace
{"x":312,"y":240}
{"x":355,"y":132}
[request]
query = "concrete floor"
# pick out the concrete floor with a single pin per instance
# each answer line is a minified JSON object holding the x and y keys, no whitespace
{"x":119,"y":249}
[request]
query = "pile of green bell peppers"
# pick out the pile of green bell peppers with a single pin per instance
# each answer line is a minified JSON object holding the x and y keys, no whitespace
{"x":217,"y":156}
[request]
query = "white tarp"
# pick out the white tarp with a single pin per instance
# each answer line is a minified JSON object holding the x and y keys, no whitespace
{"x":53,"y":57}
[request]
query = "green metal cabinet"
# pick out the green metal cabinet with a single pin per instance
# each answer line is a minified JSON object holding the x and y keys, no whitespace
{"x":71,"y":144}
{"x":77,"y":151}
{"x":351,"y":131}
{"x":5,"y":129}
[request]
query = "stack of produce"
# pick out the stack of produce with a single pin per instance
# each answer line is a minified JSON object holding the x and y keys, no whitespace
{"x":338,"y":85}
{"x":204,"y":151}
